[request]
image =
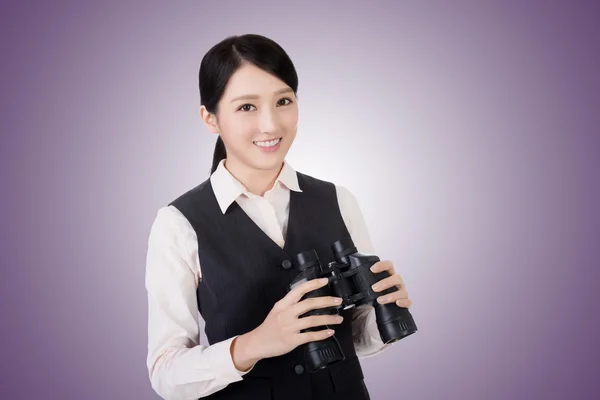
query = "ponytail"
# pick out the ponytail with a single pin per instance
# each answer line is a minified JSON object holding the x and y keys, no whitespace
{"x":219,"y":154}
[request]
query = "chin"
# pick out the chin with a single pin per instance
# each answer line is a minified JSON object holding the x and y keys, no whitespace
{"x":267,"y":161}
{"x":268,"y":164}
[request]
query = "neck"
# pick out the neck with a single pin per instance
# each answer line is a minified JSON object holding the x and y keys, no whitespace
{"x":257,"y":181}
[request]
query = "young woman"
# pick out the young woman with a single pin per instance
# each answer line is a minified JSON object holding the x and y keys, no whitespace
{"x":218,"y":250}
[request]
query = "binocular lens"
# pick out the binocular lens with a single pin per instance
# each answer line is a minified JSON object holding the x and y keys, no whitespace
{"x":393,"y":322}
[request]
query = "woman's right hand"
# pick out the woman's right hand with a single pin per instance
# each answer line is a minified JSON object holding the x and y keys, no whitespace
{"x":280,"y":331}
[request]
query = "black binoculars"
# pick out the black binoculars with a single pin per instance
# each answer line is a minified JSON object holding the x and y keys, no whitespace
{"x":350,"y":278}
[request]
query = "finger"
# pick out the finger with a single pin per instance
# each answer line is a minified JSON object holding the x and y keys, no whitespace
{"x":392,"y":297}
{"x":306,"y":337}
{"x":405,"y":303}
{"x":314,"y":303}
{"x":381,"y":266}
{"x":296,"y":293}
{"x":386,"y":283}
{"x":317,"y":320}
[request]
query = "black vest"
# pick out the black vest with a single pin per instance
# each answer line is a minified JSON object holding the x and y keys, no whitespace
{"x":242,"y":278}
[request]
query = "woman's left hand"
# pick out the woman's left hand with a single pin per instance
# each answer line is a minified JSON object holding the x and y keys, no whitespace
{"x":400,"y":296}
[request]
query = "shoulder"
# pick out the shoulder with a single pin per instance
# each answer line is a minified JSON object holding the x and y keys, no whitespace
{"x":348,"y":204}
{"x":309,"y":180}
{"x":346,"y":198}
{"x":172,"y":247}
{"x":171,"y":226}
{"x":344,"y":195}
{"x":192,"y":194}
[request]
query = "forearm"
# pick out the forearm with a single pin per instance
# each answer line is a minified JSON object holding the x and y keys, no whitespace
{"x":181,"y":373}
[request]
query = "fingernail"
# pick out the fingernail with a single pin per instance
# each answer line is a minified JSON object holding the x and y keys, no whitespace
{"x":330,"y":332}
{"x":323,"y":280}
{"x":376,"y":287}
{"x":383,"y":299}
{"x":337,"y":300}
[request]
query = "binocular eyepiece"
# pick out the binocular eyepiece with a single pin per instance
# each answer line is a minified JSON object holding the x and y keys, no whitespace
{"x":350,"y":278}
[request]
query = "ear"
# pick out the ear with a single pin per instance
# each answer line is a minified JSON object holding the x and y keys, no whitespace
{"x":210,"y":120}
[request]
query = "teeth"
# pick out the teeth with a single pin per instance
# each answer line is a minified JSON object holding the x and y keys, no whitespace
{"x":268,"y":143}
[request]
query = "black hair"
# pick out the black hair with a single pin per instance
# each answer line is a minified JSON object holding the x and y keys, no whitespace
{"x":224,"y":58}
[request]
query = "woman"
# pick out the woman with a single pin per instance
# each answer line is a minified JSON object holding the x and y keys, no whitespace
{"x":219,"y":248}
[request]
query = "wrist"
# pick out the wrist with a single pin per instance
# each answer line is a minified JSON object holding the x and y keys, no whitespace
{"x":243,"y":352}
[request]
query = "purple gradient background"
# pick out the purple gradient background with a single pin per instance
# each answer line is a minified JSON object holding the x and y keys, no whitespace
{"x":469,"y":131}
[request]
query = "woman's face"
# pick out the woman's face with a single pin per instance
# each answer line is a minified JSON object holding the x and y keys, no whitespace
{"x":257,"y":119}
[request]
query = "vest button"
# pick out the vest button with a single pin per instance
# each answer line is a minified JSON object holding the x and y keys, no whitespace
{"x":299,"y":368}
{"x":286,"y":264}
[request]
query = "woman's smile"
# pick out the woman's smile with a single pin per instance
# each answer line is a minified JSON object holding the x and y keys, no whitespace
{"x":268,"y":145}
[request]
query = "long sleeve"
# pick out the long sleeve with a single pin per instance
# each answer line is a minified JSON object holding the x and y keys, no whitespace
{"x":367,"y":341}
{"x":179,"y":367}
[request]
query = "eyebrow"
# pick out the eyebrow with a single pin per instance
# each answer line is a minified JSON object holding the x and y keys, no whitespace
{"x":255,"y":96}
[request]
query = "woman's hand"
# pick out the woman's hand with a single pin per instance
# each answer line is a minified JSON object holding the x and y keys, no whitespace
{"x":400,"y":297}
{"x":280,"y":332}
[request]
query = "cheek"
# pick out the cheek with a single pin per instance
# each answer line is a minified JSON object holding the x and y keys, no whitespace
{"x":239,"y":130}
{"x":290,"y":120}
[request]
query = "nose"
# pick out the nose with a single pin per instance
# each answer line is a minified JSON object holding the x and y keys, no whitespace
{"x":269,"y":121}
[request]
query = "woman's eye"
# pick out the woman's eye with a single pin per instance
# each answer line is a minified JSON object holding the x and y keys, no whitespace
{"x":285,"y":104}
{"x":246,"y":107}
